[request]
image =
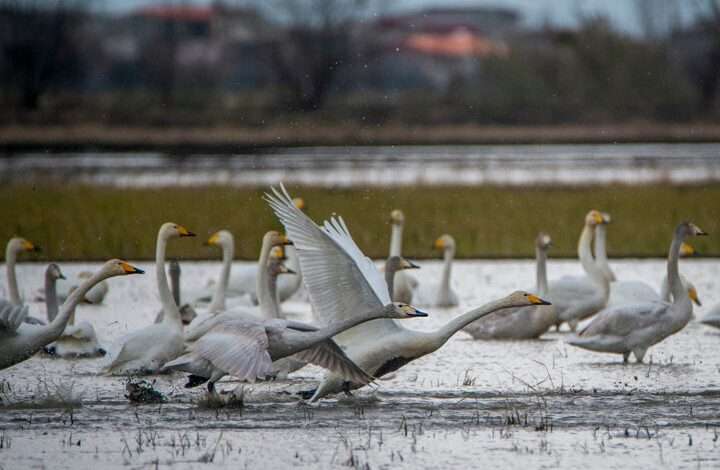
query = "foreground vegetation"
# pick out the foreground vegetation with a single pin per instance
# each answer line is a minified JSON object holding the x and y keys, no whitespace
{"x":83,"y":223}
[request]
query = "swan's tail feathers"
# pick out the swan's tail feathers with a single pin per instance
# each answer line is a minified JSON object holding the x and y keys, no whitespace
{"x":195,"y":380}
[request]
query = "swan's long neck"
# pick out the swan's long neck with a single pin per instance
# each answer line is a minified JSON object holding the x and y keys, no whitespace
{"x":587,"y":261}
{"x":266,"y":299}
{"x":390,"y":277}
{"x":309,"y":339}
{"x":270,"y":308}
{"x":53,"y":330}
{"x":396,"y":240}
{"x":448,"y":256}
{"x":218,"y":299}
{"x":541,"y":284}
{"x":51,"y":301}
{"x":442,"y":335}
{"x":174,"y":271}
{"x":679,"y":292}
{"x":171,"y":314}
{"x":13,"y":292}
{"x":601,"y":258}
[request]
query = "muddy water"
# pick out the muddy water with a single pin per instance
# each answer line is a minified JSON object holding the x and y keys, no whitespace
{"x":534,"y":404}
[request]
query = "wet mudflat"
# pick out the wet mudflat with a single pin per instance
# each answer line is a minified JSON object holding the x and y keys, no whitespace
{"x":533,"y":404}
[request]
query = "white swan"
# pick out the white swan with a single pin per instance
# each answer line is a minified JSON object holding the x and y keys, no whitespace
{"x":524,"y":322}
{"x":342,"y":283}
{"x":637,"y":326}
{"x":146,"y":350}
{"x":572,"y":299}
{"x":78,"y":340}
{"x":14,"y":247}
{"x":404,"y":284}
{"x":19,"y":341}
{"x":440,"y":294}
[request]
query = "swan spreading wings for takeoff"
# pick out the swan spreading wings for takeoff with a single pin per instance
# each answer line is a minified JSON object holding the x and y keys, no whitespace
{"x":19,"y":341}
{"x":342,"y":284}
{"x":637,"y":326}
{"x":145,"y":351}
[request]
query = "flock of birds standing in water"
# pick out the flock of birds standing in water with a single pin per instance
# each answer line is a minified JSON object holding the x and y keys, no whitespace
{"x":238,"y":328}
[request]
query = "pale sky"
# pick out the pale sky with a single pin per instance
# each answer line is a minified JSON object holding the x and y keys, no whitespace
{"x":623,"y":13}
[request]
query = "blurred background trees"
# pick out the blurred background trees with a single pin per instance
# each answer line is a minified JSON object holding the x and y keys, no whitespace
{"x":355,"y":61}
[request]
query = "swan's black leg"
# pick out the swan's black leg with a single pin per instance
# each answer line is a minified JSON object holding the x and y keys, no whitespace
{"x":306,"y":394}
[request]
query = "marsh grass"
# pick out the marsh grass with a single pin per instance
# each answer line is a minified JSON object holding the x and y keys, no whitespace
{"x":94,"y":223}
{"x":47,"y":395}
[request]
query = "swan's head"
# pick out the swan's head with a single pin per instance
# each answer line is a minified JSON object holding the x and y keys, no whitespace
{"x":277,"y":267}
{"x":299,"y":203}
{"x":173,"y":230}
{"x":397,"y":217}
{"x":53,"y":272}
{"x":118,"y":267}
{"x":692,"y":293}
{"x":278,"y":253}
{"x":398,"y":263}
{"x":400,"y":310}
{"x":276,"y":239}
{"x":543,"y":241}
{"x":688,"y":229}
{"x":522,"y":299}
{"x":445,"y":242}
{"x":594,"y":218}
{"x":687,"y":249}
{"x":220,"y":238}
{"x":20,"y":245}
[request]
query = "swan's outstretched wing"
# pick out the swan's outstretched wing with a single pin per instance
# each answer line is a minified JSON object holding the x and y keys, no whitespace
{"x":329,"y":356}
{"x":237,"y":347}
{"x":12,"y":316}
{"x":623,"y":320}
{"x":340,"y":279}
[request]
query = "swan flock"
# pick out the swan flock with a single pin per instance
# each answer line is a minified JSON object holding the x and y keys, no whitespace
{"x":361,"y":327}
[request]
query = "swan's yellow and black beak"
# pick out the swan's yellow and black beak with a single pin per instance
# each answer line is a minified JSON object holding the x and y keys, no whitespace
{"x":692,"y":293}
{"x":535,"y":300}
{"x":284,"y":240}
{"x":30,"y":247}
{"x":183,"y":232}
{"x":288,"y":271}
{"x":213,"y":240}
{"x":130,"y":269}
{"x":61,"y":276}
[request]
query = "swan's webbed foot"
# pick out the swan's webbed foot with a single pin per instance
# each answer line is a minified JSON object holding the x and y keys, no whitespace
{"x":101,"y":352}
{"x":626,"y":357}
{"x":346,"y":388}
{"x":306,"y":394}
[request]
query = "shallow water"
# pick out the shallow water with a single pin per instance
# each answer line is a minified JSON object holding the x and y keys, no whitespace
{"x":596,"y":164}
{"x":534,"y":403}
